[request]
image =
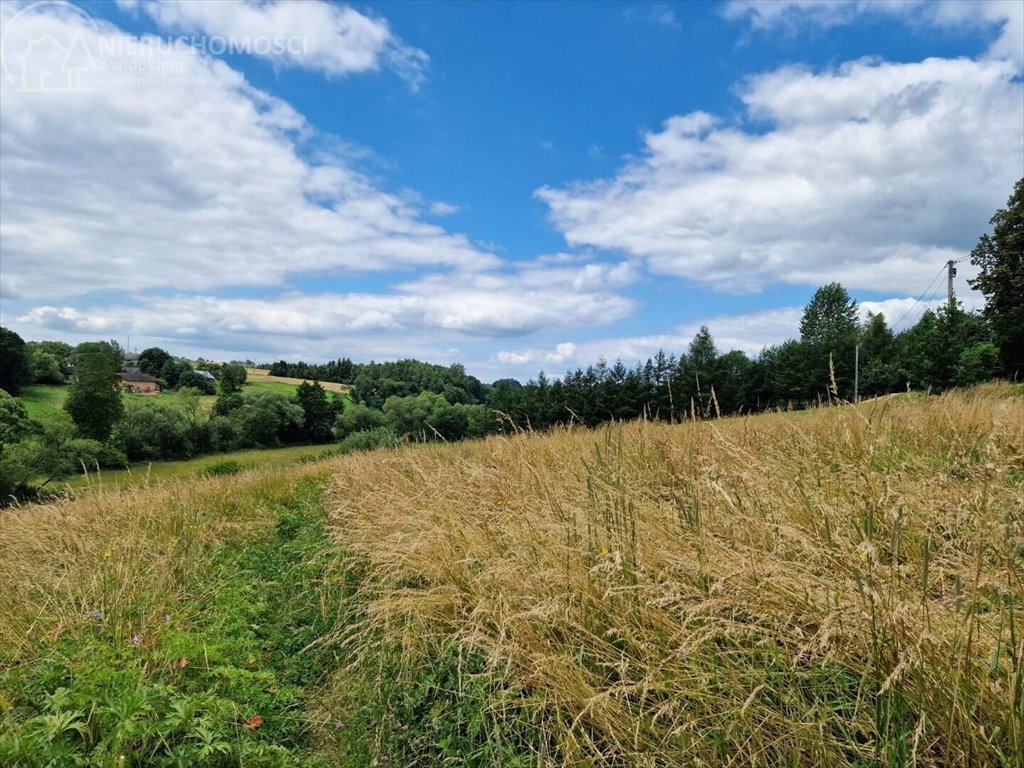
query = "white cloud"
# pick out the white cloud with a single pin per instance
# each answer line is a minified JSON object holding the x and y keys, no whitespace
{"x":659,"y":14}
{"x":791,"y":15}
{"x":438,"y":307}
{"x":163,"y":167}
{"x":748,"y":332}
{"x":311,"y":34}
{"x":441,"y":208}
{"x":873,"y":173}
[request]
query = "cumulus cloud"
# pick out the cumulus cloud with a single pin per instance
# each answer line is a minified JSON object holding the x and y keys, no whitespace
{"x":749,"y":332}
{"x":792,"y":15}
{"x":437,"y":307}
{"x":873,"y":173}
{"x":133,"y":164}
{"x":321,"y":36}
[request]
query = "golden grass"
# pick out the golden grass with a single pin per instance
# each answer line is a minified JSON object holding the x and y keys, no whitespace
{"x":842,"y":588}
{"x":120,"y":551}
{"x":258,"y":375}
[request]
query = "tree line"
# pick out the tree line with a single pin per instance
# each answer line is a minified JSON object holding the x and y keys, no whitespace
{"x":836,"y":358}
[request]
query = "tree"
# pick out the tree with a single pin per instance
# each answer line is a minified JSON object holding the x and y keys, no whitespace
{"x":828,"y":333}
{"x":977,"y":363}
{"x":266,"y":419}
{"x":153,"y":360}
{"x":94,"y":402}
{"x":15,"y":365}
{"x":172,"y":371}
{"x":879,"y":369}
{"x":45,"y":367}
{"x":1000,"y":259}
{"x":358,"y":417}
{"x":318,"y":415}
{"x":232,"y":377}
{"x":426,"y":416}
{"x":150,"y":431}
{"x":194,"y":380}
{"x":48,"y":359}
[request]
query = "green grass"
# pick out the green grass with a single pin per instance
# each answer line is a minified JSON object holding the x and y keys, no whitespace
{"x":221,"y":679}
{"x":43,"y":402}
{"x":174,"y":398}
{"x":271,"y":386}
{"x":162,"y":471}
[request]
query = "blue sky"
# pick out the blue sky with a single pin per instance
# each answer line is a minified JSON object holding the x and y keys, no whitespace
{"x":510,"y":186}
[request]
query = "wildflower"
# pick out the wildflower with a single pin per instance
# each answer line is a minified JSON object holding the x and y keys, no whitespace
{"x":866,"y":551}
{"x":96,"y":614}
{"x":136,"y":640}
{"x":106,"y":554}
{"x":339,"y":725}
{"x":167,"y":617}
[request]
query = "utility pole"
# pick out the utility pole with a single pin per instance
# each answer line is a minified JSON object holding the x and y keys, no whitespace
{"x":950,"y":274}
{"x":856,"y":372}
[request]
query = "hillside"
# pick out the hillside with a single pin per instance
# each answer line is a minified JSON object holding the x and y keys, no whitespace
{"x":262,"y":377}
{"x":838,"y":587}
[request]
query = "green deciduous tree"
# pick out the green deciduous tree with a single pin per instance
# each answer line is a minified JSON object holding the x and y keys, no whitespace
{"x":426,"y":416}
{"x":232,"y":376}
{"x":358,"y":417}
{"x":15,"y":364}
{"x":172,"y":371}
{"x":266,"y":419}
{"x":94,"y":401}
{"x":153,"y":360}
{"x":150,"y":431}
{"x":194,"y":380}
{"x":1000,"y":259}
{"x":14,"y":427}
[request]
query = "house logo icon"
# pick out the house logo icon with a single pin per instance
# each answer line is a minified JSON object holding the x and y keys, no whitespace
{"x":48,"y":58}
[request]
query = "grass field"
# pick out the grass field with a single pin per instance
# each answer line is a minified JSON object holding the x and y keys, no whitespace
{"x":262,"y":377}
{"x":41,"y":401}
{"x":159,"y":472}
{"x":840,"y":588}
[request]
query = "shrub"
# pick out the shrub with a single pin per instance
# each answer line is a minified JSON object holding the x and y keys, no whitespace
{"x":358,"y":417}
{"x":368,"y":440}
{"x":222,"y":467}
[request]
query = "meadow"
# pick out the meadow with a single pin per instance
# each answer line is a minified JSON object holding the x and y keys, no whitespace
{"x":842,"y":587}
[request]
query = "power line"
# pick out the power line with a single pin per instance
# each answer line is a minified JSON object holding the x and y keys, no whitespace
{"x":941,"y":270}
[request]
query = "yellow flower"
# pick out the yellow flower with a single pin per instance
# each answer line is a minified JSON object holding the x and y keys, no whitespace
{"x":107,"y":553}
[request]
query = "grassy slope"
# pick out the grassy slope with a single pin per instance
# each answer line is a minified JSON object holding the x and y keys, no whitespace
{"x":840,"y":589}
{"x":159,"y":472}
{"x":260,"y":376}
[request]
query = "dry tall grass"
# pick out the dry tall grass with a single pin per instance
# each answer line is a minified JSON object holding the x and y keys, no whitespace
{"x":127,"y":553}
{"x":833,"y":588}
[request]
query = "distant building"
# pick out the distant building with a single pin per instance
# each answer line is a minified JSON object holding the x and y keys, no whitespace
{"x":139,"y":383}
{"x":206,"y":375}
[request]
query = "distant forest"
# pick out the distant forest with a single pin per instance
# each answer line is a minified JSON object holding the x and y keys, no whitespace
{"x":943,"y":349}
{"x":835,"y":358}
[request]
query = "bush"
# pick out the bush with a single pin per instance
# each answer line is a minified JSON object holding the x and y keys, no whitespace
{"x":358,"y":417}
{"x":267,"y":419}
{"x":368,"y":440}
{"x":150,"y":431}
{"x":221,"y":468}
